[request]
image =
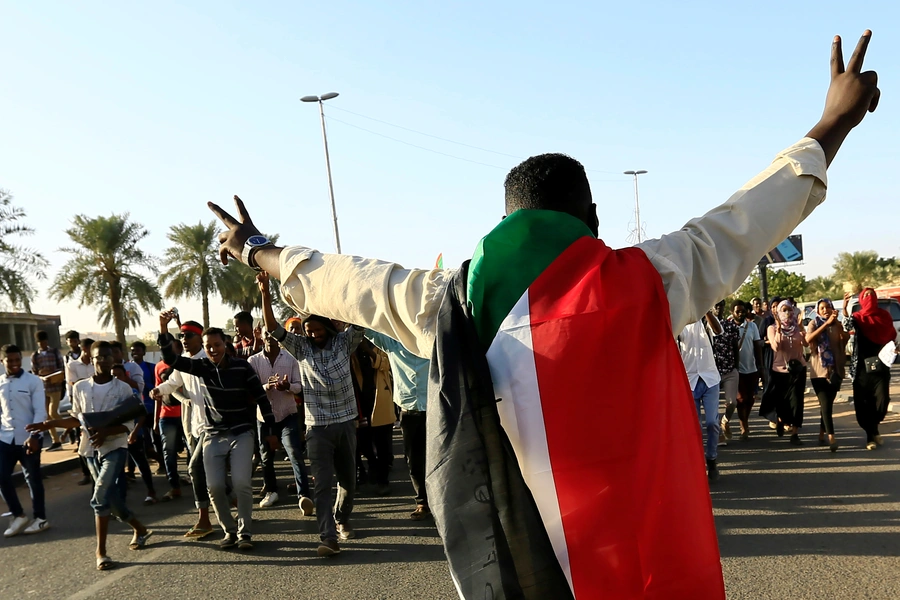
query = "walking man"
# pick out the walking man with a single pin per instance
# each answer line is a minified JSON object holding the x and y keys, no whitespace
{"x":21,"y":403}
{"x":47,"y":363}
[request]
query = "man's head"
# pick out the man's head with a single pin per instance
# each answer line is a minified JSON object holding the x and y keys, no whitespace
{"x":294,"y":325}
{"x":86,"y":344}
{"x":272,"y":346}
{"x":12,"y":358}
{"x":756,"y":304}
{"x":720,"y":309}
{"x":102,"y":357}
{"x":552,"y":182}
{"x":138,"y":350}
{"x":118,"y":352}
{"x":318,"y":329}
{"x":214,"y":343}
{"x":738,"y":311}
{"x":243,"y":324}
{"x":191,"y":336}
{"x":42,"y":339}
{"x":73,"y":339}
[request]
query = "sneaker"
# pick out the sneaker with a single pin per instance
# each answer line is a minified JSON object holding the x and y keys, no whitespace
{"x":37,"y":526}
{"x":345,"y":532}
{"x":877,"y":439}
{"x":229,"y":541}
{"x":795,"y":440}
{"x":328,"y":548}
{"x":270,"y":500}
{"x":421,"y":513}
{"x":869,"y":446}
{"x":721,"y":441}
{"x":85,"y":481}
{"x":245,"y":544}
{"x":18,"y":525}
{"x":54,"y":446}
{"x":306,"y":505}
{"x":712,"y":471}
{"x":726,"y":429}
{"x":773,"y":425}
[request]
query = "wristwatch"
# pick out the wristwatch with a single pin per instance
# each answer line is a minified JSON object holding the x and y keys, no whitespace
{"x":253,"y":243}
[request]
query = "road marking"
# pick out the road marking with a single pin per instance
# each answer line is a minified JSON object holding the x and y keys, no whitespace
{"x":117,"y":574}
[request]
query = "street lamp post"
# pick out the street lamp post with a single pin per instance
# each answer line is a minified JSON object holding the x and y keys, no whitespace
{"x":637,"y":203}
{"x":320,"y":100}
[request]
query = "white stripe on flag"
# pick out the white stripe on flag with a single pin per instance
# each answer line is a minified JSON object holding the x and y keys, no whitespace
{"x":511,"y":359}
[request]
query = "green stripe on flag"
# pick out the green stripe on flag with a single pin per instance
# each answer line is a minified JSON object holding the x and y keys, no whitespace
{"x":510,"y":258}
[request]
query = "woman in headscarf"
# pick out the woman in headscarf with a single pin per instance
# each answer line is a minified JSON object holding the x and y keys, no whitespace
{"x":787,"y":383}
{"x":871,"y":377}
{"x":827,"y":339}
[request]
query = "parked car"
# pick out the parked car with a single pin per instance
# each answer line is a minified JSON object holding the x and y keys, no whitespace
{"x":889,"y":304}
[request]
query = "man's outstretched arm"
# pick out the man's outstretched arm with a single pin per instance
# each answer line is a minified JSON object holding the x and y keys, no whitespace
{"x":711,"y":256}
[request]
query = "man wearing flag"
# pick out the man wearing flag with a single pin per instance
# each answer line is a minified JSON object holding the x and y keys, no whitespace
{"x":538,"y":487}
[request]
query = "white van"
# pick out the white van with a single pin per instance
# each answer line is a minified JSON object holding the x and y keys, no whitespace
{"x":889,"y":304}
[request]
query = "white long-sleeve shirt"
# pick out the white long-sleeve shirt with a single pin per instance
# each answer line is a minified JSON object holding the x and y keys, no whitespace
{"x":283,"y":403}
{"x":700,"y":264}
{"x":21,"y":402}
{"x":193,"y":387}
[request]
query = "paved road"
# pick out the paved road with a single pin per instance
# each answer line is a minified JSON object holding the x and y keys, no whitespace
{"x":793,"y":523}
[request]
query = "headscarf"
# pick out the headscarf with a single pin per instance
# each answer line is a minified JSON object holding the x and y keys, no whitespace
{"x":875,"y":323}
{"x":788,"y":322}
{"x":826,"y":356}
{"x":287,"y":324}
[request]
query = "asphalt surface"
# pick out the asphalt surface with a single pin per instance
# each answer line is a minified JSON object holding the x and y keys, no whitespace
{"x":793,"y":523}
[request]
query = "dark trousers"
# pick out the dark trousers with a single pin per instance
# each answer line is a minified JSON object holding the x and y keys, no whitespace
{"x":871,"y":399}
{"x":332,"y":454}
{"x":10,"y":454}
{"x":412,"y":423}
{"x":375,"y":443}
{"x":784,"y":397}
{"x":289,"y":432}
{"x":172,"y":435}
{"x":826,"y":392}
{"x":137,"y":457}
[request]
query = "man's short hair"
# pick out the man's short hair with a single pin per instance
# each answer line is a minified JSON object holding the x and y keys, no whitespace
{"x":215,"y":331}
{"x":243,"y":317}
{"x":87,"y":342}
{"x":549,"y":182}
{"x":9,"y":349}
{"x":756,"y":299}
{"x":100,"y":345}
{"x":116,"y":344}
{"x":41,"y":336}
{"x":72,"y":335}
{"x":140,"y":345}
{"x":737,"y":303}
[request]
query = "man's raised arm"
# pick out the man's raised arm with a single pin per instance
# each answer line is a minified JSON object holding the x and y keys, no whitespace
{"x":711,"y":256}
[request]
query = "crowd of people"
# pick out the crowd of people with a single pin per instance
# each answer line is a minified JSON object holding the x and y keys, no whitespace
{"x":532,"y":476}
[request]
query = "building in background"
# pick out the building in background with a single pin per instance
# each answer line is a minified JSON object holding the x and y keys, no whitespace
{"x":19,"y":329}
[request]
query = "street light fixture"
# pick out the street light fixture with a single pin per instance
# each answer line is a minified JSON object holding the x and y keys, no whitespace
{"x":637,"y":204}
{"x":320,"y":100}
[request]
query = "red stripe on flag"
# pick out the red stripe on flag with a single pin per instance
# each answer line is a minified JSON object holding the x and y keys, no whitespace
{"x":622,"y":432}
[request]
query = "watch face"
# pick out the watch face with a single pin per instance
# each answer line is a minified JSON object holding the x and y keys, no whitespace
{"x":257,"y":240}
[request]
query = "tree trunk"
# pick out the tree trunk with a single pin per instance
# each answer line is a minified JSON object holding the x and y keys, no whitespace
{"x":115,"y":299}
{"x":204,"y":298}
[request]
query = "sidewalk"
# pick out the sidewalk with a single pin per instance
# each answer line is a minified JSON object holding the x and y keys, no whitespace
{"x":52,"y":463}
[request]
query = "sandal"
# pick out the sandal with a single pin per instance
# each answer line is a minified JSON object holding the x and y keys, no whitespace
{"x":139,"y":541}
{"x":105,"y":563}
{"x":150,"y":500}
{"x":169,"y":496}
{"x":198,"y":532}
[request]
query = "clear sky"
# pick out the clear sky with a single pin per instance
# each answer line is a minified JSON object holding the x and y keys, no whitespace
{"x":156,"y":108}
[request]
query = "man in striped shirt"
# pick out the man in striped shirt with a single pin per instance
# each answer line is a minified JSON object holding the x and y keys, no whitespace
{"x":280,"y":374}
{"x":234,"y":391}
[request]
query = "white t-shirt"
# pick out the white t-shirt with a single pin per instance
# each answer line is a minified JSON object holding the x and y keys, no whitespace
{"x":90,"y":397}
{"x":697,"y":354}
{"x":747,"y":361}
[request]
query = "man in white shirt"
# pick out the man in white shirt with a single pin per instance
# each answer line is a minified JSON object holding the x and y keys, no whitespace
{"x":279,"y":373}
{"x":192,"y":408}
{"x":21,"y":403}
{"x":77,"y":369}
{"x":694,"y":267}
{"x":105,"y":449}
{"x":749,"y":361}
{"x":703,"y":378}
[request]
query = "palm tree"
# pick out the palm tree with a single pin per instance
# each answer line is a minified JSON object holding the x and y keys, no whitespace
{"x":14,"y":260}
{"x":239,"y":291}
{"x":856,"y":270}
{"x":103,"y":271}
{"x":194,"y":269}
{"x":822,"y":287}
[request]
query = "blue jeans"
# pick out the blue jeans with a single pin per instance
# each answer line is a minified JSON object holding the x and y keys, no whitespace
{"x":289,"y":431}
{"x":10,"y":454}
{"x":172,"y":434}
{"x":109,"y":484}
{"x":709,"y":397}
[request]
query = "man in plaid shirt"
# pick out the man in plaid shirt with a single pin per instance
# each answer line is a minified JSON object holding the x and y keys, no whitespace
{"x":331,"y":413}
{"x":45,"y":361}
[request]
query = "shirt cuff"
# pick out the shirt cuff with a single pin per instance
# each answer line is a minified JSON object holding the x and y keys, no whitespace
{"x":292,"y":256}
{"x":279,"y":333}
{"x":806,"y":157}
